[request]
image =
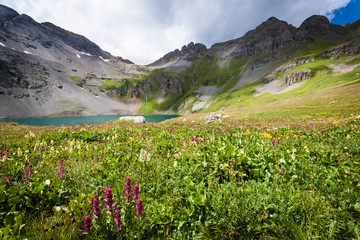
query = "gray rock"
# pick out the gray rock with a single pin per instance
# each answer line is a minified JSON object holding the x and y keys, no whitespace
{"x":135,"y":119}
{"x":294,"y":77}
{"x":212,"y":117}
{"x":270,"y":78}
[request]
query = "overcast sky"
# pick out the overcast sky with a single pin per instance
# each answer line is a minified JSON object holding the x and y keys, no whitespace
{"x":145,"y":30}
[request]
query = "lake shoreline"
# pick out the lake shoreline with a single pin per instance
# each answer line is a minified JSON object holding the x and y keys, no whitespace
{"x":81,"y":120}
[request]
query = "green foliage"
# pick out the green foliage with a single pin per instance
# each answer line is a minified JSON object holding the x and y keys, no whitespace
{"x":244,"y":178}
{"x":77,"y":80}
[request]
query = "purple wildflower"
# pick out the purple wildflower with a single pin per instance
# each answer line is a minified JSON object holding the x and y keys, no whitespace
{"x":61,"y":169}
{"x":128,"y":189}
{"x":139,"y":208}
{"x":87,"y":224}
{"x":136,"y":191}
{"x":9,"y":182}
{"x":28,"y":173}
{"x":118,"y":220}
{"x":273,"y":141}
{"x":278,"y":141}
{"x":96,"y":205}
{"x":332,"y":141}
{"x":108,"y":199}
{"x":31,"y":170}
{"x":283,"y":170}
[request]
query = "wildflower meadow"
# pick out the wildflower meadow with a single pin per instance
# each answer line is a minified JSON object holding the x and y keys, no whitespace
{"x":242,"y":178}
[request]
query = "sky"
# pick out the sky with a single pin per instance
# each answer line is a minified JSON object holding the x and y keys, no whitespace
{"x":145,"y":30}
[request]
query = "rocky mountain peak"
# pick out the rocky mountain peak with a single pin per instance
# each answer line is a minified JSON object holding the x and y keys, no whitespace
{"x":188,"y":52}
{"x":6,"y":14}
{"x":76,"y":41}
{"x":315,"y":25}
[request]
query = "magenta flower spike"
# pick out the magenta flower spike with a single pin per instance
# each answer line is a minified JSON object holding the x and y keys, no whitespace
{"x":61,"y":169}
{"x":136,"y":191}
{"x":96,"y":205}
{"x":9,"y":182}
{"x":87,"y":224}
{"x":283,"y":170}
{"x":139,"y":208}
{"x":118,"y":220}
{"x":128,"y":189}
{"x":109,"y":199}
{"x":31,"y":170}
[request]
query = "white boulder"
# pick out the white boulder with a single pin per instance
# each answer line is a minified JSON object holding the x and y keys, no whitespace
{"x":136,"y":119}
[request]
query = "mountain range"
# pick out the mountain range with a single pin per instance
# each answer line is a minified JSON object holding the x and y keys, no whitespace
{"x":48,"y":71}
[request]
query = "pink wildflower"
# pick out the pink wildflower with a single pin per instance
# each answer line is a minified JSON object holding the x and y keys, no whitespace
{"x":96,"y":205}
{"x":61,"y":169}
{"x":136,"y":192}
{"x":108,"y":199}
{"x":118,"y":220}
{"x":87,"y":224}
{"x":28,"y":173}
{"x":139,"y":208}
{"x":283,"y":170}
{"x":128,"y":189}
{"x":9,"y":182}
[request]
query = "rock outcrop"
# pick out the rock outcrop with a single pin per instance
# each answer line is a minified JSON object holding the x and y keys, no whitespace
{"x":212,"y":117}
{"x":294,"y":77}
{"x":269,"y":78}
{"x":288,"y":66}
{"x":191,"y":52}
{"x":350,"y":48}
{"x":135,"y":119}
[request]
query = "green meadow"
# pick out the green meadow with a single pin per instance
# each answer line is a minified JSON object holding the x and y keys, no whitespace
{"x":251,"y":176}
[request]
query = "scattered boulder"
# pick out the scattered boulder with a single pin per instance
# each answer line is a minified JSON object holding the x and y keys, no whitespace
{"x":294,"y":77}
{"x":212,"y":117}
{"x":135,"y":119}
{"x":288,"y":66}
{"x":269,"y":78}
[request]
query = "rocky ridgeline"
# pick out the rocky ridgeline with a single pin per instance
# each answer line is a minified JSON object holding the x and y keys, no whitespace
{"x":292,"y":78}
{"x":289,"y":66}
{"x":191,"y":52}
{"x":350,"y":48}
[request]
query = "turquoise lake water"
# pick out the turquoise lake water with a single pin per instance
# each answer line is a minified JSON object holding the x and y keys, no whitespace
{"x":58,"y":121}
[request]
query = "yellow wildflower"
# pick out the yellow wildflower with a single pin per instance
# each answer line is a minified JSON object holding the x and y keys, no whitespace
{"x":267,"y":135}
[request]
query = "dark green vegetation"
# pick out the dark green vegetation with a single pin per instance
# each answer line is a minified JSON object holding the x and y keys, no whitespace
{"x":245,"y":178}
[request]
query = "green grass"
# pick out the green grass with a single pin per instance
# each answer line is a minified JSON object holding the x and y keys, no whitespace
{"x":76,"y":79}
{"x":150,"y":106}
{"x":245,"y":178}
{"x":323,"y":79}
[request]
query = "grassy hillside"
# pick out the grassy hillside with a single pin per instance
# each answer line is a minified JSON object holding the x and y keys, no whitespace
{"x":227,"y":73}
{"x":323,"y":80}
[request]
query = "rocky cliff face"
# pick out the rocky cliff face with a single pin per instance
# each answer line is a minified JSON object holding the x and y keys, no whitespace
{"x":270,"y":37}
{"x":191,"y":52}
{"x":291,"y":78}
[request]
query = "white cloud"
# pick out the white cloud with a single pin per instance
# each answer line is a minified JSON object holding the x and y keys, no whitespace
{"x":145,"y":30}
